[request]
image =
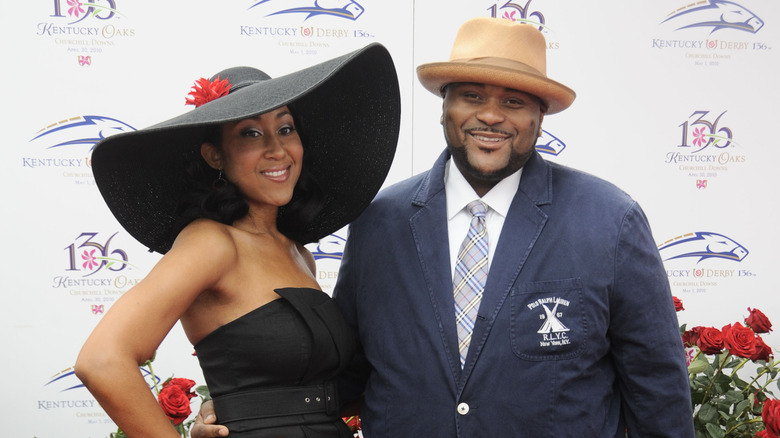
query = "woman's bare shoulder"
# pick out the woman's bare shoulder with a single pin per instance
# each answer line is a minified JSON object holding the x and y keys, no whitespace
{"x":206,"y":235}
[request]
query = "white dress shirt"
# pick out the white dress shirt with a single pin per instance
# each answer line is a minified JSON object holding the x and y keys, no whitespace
{"x":460,"y":193}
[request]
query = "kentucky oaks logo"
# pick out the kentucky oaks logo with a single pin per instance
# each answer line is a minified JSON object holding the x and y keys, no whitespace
{"x":78,"y":11}
{"x":87,"y":254}
{"x":707,"y":147}
{"x":84,"y":28}
{"x":518,"y":13}
{"x":95,"y":271}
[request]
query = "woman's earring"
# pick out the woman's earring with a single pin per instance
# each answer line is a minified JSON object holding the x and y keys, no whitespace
{"x":441,"y":119}
{"x":540,"y":132}
{"x":220,"y":182}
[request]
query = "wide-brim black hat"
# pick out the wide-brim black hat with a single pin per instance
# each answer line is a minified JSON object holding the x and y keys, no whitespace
{"x":347,"y":111}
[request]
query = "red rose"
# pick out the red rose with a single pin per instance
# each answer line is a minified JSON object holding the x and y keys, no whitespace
{"x":763,"y":351}
{"x":691,"y":337}
{"x":758,"y":321}
{"x":770,"y":415}
{"x":175,"y":403}
{"x":185,"y":385}
{"x":710,"y":340}
{"x":739,"y":340}
{"x":678,"y":304}
{"x":765,"y":434}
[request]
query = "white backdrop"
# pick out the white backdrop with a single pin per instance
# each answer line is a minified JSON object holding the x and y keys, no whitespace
{"x":673,"y":106}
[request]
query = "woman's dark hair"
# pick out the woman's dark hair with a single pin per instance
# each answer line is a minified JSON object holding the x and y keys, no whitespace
{"x":224,"y":202}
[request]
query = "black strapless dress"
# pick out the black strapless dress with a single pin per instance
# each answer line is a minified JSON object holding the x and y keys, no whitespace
{"x":272,"y":371}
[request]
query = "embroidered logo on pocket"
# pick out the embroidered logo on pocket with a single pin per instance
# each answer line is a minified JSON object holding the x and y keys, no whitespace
{"x":553,"y":331}
{"x":547,"y":320}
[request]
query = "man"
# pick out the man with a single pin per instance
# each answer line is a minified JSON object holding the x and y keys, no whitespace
{"x":575,"y":332}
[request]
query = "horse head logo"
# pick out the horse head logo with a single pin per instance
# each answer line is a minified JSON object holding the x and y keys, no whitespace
{"x":81,"y":130}
{"x":715,"y":14}
{"x":549,"y":144}
{"x":702,"y":245}
{"x":348,"y":9}
{"x":330,"y":247}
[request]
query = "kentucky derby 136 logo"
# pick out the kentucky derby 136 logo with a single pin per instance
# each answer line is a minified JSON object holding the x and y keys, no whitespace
{"x":707,"y":147}
{"x":699,"y":260}
{"x":711,"y":32}
{"x":328,"y":253}
{"x":305,"y":27}
{"x":66,"y":145}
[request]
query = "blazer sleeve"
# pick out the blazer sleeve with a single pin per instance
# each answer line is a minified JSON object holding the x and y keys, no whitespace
{"x":644,"y":331}
{"x":352,"y":381}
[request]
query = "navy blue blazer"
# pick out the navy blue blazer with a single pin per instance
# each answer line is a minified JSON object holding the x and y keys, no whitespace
{"x":576,"y":334}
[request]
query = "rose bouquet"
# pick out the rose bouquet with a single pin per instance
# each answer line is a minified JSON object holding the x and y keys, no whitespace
{"x":174,"y":395}
{"x":728,"y":404}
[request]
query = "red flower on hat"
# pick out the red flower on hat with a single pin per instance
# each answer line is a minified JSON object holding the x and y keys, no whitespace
{"x":204,"y":91}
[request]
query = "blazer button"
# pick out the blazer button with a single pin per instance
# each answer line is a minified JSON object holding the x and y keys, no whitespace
{"x":463,"y":408}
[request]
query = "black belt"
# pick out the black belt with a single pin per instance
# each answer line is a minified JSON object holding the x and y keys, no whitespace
{"x":277,"y":402}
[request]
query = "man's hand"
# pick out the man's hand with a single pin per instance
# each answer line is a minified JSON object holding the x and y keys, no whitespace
{"x":204,"y":426}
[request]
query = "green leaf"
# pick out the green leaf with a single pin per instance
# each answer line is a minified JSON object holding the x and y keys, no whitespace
{"x":741,"y":384}
{"x":734,"y":397}
{"x":697,"y":397}
{"x":708,"y":413}
{"x":743,"y":406}
{"x":698,"y":366}
{"x":722,"y":379}
{"x":203,"y":391}
{"x":733,"y":362}
{"x":715,"y":430}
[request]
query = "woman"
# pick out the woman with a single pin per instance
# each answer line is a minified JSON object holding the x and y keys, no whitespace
{"x":278,"y":163}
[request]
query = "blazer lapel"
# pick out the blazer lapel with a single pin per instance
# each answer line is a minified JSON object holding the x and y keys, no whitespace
{"x":523,"y":225}
{"x":429,"y":228}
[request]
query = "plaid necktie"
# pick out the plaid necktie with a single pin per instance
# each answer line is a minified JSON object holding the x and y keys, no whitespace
{"x":471,"y":272}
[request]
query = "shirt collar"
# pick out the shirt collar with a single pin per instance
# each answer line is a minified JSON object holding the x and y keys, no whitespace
{"x":459,"y":192}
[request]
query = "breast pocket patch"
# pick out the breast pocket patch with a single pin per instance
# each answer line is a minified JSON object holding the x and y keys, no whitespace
{"x":548,"y":320}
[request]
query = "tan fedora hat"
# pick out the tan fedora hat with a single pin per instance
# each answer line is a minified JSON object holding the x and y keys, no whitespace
{"x":499,"y":52}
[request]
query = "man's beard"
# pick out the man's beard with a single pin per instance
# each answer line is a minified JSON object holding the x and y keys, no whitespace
{"x":516,"y":161}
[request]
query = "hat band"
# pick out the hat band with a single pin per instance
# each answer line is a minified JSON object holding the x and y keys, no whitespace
{"x":502,"y":63}
{"x":241,"y":85}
